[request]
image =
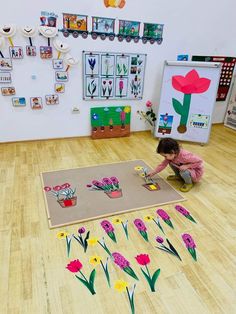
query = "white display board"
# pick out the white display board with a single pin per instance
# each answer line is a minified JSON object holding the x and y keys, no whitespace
{"x":230,"y":116}
{"x":113,"y":75}
{"x":187,"y":100}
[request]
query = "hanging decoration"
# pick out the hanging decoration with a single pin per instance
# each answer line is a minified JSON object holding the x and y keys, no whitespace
{"x":70,"y":61}
{"x":60,"y":47}
{"x":8,"y":31}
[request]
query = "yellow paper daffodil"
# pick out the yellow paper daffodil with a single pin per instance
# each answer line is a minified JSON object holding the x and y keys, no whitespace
{"x":62,"y":234}
{"x":148,"y":218}
{"x":92,"y":241}
{"x":142,"y":175}
{"x":95,"y":260}
{"x":117,"y":221}
{"x":120,"y":285}
{"x":138,"y":168}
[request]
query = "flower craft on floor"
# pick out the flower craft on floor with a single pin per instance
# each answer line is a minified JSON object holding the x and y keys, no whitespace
{"x":123,"y":264}
{"x":95,"y":260}
{"x":118,"y":221}
{"x":165,"y":217}
{"x":150,"y":184}
{"x":142,"y":229}
{"x":82,"y":241}
{"x":144,"y":260}
{"x":64,"y":193}
{"x":110,"y":186}
{"x":65,"y":235}
{"x":95,"y":241}
{"x":170,"y":249}
{"x":121,"y":286}
{"x":75,"y":267}
{"x":149,"y":218}
{"x":185,"y":212}
{"x":190,"y":245}
{"x":109,"y":229}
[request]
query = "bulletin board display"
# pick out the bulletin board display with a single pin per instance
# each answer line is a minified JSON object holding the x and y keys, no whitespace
{"x":230,"y":116}
{"x":227,"y":69}
{"x":113,"y":75}
{"x":187,"y":100}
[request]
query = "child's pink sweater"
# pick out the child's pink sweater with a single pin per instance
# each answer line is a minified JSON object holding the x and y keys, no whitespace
{"x":184,"y":157}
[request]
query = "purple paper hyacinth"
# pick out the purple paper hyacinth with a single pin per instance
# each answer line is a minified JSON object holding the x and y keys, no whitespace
{"x":114,"y":180}
{"x":141,"y":228}
{"x":122,"y":262}
{"x":165,"y":217}
{"x":107,"y":181}
{"x":140,"y":224}
{"x":184,"y":212}
{"x":109,"y":229}
{"x":190,"y":245}
{"x":98,"y":184}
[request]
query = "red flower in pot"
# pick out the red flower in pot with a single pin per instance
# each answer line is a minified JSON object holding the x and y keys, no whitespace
{"x":64,"y":193}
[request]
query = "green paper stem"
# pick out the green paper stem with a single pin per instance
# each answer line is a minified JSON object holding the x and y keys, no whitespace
{"x":130,"y":272}
{"x":144,"y":235}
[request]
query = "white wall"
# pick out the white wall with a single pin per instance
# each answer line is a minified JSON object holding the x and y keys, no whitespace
{"x":190,"y":27}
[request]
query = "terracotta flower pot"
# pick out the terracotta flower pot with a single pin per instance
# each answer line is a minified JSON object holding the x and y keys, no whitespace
{"x":114,"y":194}
{"x":68,"y":202}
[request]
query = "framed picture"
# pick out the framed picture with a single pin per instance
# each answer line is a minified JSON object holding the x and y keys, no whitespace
{"x":59,"y":88}
{"x":5,"y":64}
{"x":57,"y":64}
{"x":107,"y":65}
{"x":45,"y":52}
{"x":36,"y":103}
{"x":61,"y":76}
{"x":5,"y":77}
{"x":8,"y":91}
{"x":103,"y":25}
{"x":31,"y":51}
{"x":18,"y":101}
{"x":52,"y":99}
{"x":16,"y":52}
{"x":91,"y":64}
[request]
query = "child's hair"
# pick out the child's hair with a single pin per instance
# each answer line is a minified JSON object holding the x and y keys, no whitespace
{"x":168,"y":146}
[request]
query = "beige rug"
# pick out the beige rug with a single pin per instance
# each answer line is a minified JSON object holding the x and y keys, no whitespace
{"x":87,"y":204}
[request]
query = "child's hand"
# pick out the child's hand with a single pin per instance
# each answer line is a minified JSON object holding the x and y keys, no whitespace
{"x":183,"y":167}
{"x":150,"y":174}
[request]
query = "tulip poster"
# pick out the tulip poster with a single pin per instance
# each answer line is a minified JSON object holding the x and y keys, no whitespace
{"x":113,"y":75}
{"x":187,"y":100}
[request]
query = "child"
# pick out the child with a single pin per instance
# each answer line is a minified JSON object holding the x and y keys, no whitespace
{"x":186,"y":166}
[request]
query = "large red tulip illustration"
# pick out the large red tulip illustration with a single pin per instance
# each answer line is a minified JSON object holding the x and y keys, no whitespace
{"x":189,"y":84}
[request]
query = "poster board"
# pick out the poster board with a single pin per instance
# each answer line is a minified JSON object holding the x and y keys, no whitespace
{"x":113,"y":75}
{"x":187,"y":100}
{"x":230,"y":116}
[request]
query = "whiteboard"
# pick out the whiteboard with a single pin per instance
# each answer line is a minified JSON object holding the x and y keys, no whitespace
{"x":230,"y":116}
{"x":187,"y":100}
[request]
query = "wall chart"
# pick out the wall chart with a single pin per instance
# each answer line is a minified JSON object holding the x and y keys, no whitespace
{"x":113,"y":75}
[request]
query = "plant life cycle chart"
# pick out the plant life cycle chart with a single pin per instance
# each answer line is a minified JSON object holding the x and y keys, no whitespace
{"x":113,"y":75}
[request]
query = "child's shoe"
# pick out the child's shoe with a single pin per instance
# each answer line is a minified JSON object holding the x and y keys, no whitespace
{"x":186,"y":187}
{"x":173,"y":177}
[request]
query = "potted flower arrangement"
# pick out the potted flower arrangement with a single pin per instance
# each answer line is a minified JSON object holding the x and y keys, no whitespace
{"x":149,"y":115}
{"x":64,"y":193}
{"x":110,"y":186}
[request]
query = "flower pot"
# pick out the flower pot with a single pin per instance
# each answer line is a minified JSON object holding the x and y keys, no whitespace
{"x":68,"y":202}
{"x":114,"y":194}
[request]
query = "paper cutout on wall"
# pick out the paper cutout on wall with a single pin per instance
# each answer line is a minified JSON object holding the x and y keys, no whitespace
{"x":18,"y":101}
{"x":48,"y":19}
{"x":152,"y":33}
{"x":74,"y":24}
{"x":5,"y":77}
{"x":60,"y":47}
{"x":199,"y":121}
{"x":8,"y":91}
{"x":114,"y":3}
{"x":29,"y":31}
{"x":5,"y":64}
{"x":189,"y":84}
{"x":16,"y":52}
{"x":128,"y":30}
{"x":36,"y":103}
{"x":52,"y":99}
{"x":45,"y":52}
{"x":110,"y":122}
{"x":70,"y":61}
{"x":103,"y":27}
{"x":8,"y":31}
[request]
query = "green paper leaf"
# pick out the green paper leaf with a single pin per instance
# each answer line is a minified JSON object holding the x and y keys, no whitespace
{"x":92,"y":277}
{"x":85,"y":241}
{"x":130,"y":272}
{"x":155,"y":277}
{"x":144,"y":235}
{"x":177,"y":106}
{"x":191,"y":218}
{"x":112,"y":236}
{"x":173,"y":249}
{"x":149,"y":280}
{"x":193,"y":253}
{"x":169,"y":223}
{"x":86,"y":284}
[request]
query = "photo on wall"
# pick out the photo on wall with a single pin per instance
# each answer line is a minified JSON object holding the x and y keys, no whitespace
{"x":107,"y":87}
{"x":45,"y":52}
{"x":16,"y":52}
{"x":91,"y":64}
{"x":36,"y":103}
{"x":5,"y":77}
{"x":18,"y":101}
{"x":61,"y":76}
{"x":92,"y":87}
{"x":121,"y":87}
{"x":5,"y":64}
{"x":107,"y":65}
{"x":57,"y":64}
{"x":122,"y":65}
{"x":31,"y":51}
{"x":59,"y":88}
{"x":8,"y":91}
{"x":52,"y":99}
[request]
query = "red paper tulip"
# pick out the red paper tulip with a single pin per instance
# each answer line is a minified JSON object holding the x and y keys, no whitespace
{"x":143,"y":259}
{"x":74,"y":266}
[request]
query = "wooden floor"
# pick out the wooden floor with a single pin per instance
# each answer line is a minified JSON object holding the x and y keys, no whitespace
{"x":33,"y":278}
